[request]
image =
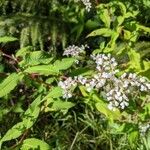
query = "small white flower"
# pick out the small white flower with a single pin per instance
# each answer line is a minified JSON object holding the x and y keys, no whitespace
{"x":82,"y":80}
{"x":143,"y":88}
{"x":148,"y":85}
{"x":73,"y":50}
{"x":123,"y":75}
{"x":110,"y":106}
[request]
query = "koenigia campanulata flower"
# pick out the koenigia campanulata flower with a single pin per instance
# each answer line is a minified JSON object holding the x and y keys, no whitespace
{"x":117,"y":89}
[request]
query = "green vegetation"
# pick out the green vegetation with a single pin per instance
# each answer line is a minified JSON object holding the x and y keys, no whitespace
{"x":74,"y":75}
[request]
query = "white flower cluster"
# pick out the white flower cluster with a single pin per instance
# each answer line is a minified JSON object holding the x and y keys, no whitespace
{"x":74,"y":51}
{"x":144,"y":128}
{"x":67,"y":87}
{"x":87,"y":3}
{"x":96,"y":82}
{"x":117,"y":89}
{"x":105,"y":63}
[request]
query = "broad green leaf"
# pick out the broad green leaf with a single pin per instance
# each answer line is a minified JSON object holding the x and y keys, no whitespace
{"x":35,"y":144}
{"x":105,"y":17}
{"x":122,"y":7}
{"x":14,"y":132}
{"x":81,"y":71}
{"x":112,"y":43}
{"x":135,"y":60}
{"x":28,"y":120}
{"x":146,"y":71}
{"x":61,"y":105}
{"x":129,"y":14}
{"x":92,"y":24}
{"x":111,"y":115}
{"x":119,"y":20}
{"x":7,"y":39}
{"x":127,"y":34}
{"x":101,"y":32}
{"x":55,"y":92}
{"x":23,"y":51}
{"x":64,"y":63}
{"x":50,"y":80}
{"x":35,"y":58}
{"x":9,"y":84}
{"x":103,"y":108}
{"x":32,"y":113}
{"x":83,"y":91}
{"x":43,"y":70}
{"x":141,"y":27}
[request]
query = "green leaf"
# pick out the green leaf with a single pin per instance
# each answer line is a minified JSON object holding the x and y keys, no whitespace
{"x":7,"y":39}
{"x":81,"y":71}
{"x":135,"y":60}
{"x":101,"y":32}
{"x":111,"y":115}
{"x":127,"y":34}
{"x":62,"y":105}
{"x":14,"y":132}
{"x":105,"y":17}
{"x":122,"y":7}
{"x":119,"y":20}
{"x":103,"y":108}
{"x":55,"y":92}
{"x":90,"y":24}
{"x":132,"y":137}
{"x":64,"y":63}
{"x":43,"y":70}
{"x":83,"y":91}
{"x":23,"y":51}
{"x":35,"y":144}
{"x":32,"y":113}
{"x":143,"y":28}
{"x":35,"y":58}
{"x":9,"y":84}
{"x":29,"y":119}
{"x":50,"y":80}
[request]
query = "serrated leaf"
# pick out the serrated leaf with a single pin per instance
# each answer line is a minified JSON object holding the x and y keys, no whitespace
{"x":23,"y":51}
{"x":43,"y":70}
{"x":35,"y":144}
{"x":55,"y":92}
{"x":64,"y":63}
{"x":32,"y":113}
{"x":35,"y":58}
{"x":14,"y":132}
{"x":101,"y":32}
{"x":7,"y":39}
{"x":9,"y":84}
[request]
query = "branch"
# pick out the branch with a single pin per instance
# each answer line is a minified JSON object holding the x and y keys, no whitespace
{"x":21,"y":140}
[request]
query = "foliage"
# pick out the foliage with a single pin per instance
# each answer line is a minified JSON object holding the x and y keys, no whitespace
{"x":75,"y":97}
